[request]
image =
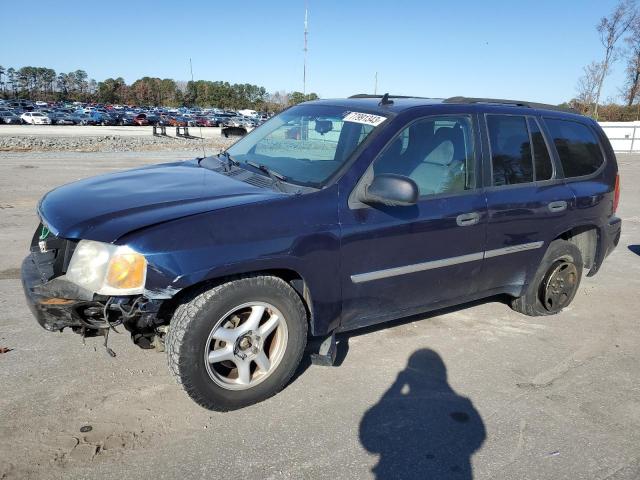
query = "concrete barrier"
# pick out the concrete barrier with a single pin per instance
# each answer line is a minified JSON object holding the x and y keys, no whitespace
{"x":624,"y":136}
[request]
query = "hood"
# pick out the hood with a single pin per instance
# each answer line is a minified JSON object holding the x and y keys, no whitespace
{"x":106,"y":207}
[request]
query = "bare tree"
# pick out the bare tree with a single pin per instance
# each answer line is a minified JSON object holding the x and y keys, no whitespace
{"x":611,"y":29}
{"x":631,"y":89}
{"x":587,"y":86}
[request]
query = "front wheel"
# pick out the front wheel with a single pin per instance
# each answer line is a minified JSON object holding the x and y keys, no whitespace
{"x":555,"y":283}
{"x":237,"y":343}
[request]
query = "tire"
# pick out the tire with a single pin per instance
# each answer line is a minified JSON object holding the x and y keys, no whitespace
{"x":194,"y":334}
{"x":562,"y":261}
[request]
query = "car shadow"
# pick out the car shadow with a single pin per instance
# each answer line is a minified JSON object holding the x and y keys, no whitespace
{"x":634,"y":249}
{"x":502,"y":299}
{"x":421,"y":428}
{"x":342,"y":339}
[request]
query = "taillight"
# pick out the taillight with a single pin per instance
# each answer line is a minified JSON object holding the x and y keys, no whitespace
{"x":616,"y":193}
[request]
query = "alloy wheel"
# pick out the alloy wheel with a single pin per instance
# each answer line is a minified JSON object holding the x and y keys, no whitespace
{"x":246,"y":345}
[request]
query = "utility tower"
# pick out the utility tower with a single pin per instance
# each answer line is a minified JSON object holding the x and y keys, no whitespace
{"x":304,"y":68}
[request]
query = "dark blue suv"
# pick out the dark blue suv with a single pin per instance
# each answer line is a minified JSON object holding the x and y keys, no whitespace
{"x":333,"y":215}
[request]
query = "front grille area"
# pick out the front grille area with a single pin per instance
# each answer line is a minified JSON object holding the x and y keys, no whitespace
{"x":54,"y":261}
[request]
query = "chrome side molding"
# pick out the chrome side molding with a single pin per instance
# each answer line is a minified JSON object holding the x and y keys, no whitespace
{"x":445,"y":262}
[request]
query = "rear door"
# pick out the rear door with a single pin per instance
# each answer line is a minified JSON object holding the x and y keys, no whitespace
{"x":398,"y":260}
{"x":528,"y":201}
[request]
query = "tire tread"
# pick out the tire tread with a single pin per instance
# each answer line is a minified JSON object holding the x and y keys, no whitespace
{"x":185,"y":314}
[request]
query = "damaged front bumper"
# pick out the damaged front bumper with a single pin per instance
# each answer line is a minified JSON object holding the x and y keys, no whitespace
{"x":58,"y":304}
{"x":55,"y":304}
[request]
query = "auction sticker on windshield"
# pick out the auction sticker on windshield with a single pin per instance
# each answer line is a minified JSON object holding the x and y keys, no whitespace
{"x":365,"y":118}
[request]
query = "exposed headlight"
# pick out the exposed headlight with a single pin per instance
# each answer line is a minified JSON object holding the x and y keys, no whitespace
{"x":107,"y":269}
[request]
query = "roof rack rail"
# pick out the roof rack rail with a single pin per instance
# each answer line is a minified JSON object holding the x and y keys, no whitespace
{"x":513,"y":103}
{"x":367,"y":95}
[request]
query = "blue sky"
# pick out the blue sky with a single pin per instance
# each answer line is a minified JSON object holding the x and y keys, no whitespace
{"x":532,"y":50}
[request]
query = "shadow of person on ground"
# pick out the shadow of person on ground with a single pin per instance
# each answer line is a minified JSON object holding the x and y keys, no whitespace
{"x":635,"y":249}
{"x":421,"y":428}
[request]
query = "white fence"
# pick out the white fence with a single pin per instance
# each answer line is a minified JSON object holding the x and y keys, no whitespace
{"x":624,"y":136}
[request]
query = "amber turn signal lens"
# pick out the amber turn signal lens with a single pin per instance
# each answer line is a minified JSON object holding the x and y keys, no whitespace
{"x":126,"y":271}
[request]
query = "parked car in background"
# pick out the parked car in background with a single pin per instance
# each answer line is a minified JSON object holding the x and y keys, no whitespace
{"x":177,"y":121}
{"x":8,"y":117}
{"x":140,"y":119}
{"x":35,"y":118}
{"x":81,"y":118}
{"x":153,"y":118}
{"x":235,"y":122}
{"x":61,"y":118}
{"x":102,"y":118}
{"x":207,"y":122}
{"x":124,"y":119}
{"x":247,"y":112}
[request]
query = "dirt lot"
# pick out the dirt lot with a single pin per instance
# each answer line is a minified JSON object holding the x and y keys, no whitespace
{"x":545,"y":398}
{"x":91,"y":131}
{"x":55,"y":138}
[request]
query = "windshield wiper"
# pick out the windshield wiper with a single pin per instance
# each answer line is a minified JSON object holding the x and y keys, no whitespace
{"x":230,"y":160}
{"x":277,"y":177}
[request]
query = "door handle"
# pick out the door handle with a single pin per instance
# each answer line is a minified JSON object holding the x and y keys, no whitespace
{"x":468,"y":219}
{"x":559,"y":206}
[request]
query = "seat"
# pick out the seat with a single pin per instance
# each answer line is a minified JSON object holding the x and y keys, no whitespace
{"x":442,"y":169}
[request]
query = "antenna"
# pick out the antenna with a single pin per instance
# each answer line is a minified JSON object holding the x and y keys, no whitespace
{"x":306,"y":32}
{"x":204,"y":153}
{"x":375,"y":85}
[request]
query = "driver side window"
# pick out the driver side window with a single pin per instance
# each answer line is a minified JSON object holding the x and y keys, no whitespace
{"x":435,"y":152}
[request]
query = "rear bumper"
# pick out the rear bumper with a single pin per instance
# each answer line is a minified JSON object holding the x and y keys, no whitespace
{"x":613,"y":230}
{"x":609,"y":239}
{"x":54,"y":304}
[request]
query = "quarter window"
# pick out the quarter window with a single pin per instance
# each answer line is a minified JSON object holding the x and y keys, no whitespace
{"x":577,"y":147}
{"x":435,"y":152}
{"x":511,"y":158}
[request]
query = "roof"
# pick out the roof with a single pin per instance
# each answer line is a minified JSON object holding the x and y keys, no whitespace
{"x":401,"y":103}
{"x":372,"y":103}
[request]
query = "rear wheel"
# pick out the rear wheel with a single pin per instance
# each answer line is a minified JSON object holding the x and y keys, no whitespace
{"x":238,"y":343}
{"x":555,"y":283}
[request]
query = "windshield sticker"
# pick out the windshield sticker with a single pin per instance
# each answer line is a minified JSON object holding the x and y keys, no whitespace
{"x":365,"y":118}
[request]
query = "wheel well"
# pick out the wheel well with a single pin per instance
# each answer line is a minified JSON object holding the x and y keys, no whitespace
{"x":586,"y":239}
{"x":292,"y":277}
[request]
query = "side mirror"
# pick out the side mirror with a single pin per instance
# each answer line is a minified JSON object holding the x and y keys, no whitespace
{"x":391,"y":190}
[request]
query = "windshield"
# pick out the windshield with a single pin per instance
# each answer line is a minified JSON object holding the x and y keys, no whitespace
{"x":306,"y":143}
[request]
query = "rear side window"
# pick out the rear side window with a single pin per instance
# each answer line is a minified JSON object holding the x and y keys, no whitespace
{"x":511,"y":158}
{"x":577,"y":147}
{"x":541,"y":157}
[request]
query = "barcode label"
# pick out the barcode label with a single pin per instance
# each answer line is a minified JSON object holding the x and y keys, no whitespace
{"x":365,"y":118}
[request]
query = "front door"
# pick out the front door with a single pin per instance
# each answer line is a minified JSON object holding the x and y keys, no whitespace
{"x":399,"y":260}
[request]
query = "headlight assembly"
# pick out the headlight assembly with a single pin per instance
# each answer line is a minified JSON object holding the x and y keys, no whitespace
{"x":107,"y":269}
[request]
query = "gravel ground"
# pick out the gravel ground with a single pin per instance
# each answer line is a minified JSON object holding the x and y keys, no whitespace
{"x":478,"y":386}
{"x":21,"y":138}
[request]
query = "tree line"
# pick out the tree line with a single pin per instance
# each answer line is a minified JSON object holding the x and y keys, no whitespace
{"x":619,"y":34}
{"x":40,"y":83}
